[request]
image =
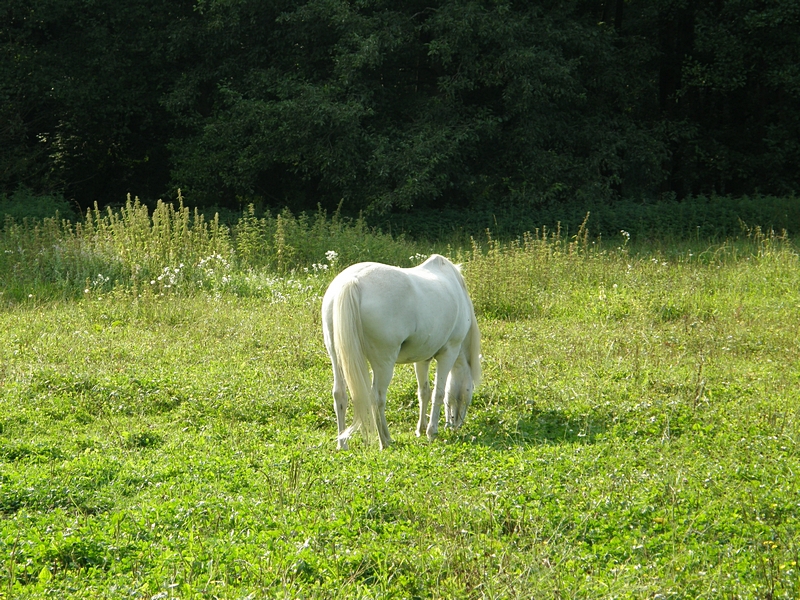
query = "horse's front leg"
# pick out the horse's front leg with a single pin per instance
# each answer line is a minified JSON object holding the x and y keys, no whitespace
{"x":444,"y":363}
{"x":421,"y":370}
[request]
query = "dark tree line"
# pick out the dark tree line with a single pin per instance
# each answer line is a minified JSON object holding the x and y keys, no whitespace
{"x":399,"y":104}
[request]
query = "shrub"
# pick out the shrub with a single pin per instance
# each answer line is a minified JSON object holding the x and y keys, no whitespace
{"x":24,"y":204}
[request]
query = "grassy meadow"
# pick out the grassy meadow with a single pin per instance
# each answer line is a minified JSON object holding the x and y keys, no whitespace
{"x":167,"y":429}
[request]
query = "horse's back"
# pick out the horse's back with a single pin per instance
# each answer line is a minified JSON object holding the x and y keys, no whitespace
{"x":410,"y":314}
{"x":396,"y":302}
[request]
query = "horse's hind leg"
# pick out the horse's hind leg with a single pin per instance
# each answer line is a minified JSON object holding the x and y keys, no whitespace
{"x":421,"y":370}
{"x":340,"y":403}
{"x":381,"y":378}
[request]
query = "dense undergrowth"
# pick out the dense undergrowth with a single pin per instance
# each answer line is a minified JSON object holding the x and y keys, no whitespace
{"x":167,"y":431}
{"x":707,"y":218}
{"x":175,"y":250}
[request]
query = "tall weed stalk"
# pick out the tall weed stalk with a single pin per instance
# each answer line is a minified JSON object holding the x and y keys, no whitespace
{"x":172,"y":249}
{"x":286,"y":243}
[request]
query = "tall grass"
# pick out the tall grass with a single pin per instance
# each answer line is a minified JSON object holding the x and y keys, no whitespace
{"x":545,"y":274}
{"x":129,"y":247}
{"x":172,"y":249}
{"x":284,"y":242}
{"x":710,"y":218}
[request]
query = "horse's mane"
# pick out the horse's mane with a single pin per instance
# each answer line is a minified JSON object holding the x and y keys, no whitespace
{"x":473,"y":339}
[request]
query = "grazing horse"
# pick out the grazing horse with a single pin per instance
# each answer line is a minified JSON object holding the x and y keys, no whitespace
{"x":382,"y":315}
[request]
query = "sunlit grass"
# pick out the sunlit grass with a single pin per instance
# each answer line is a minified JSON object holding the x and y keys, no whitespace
{"x":636,"y":433}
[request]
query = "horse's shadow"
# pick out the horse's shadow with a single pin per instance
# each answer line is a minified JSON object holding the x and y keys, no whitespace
{"x":527,"y":425}
{"x":534,"y":427}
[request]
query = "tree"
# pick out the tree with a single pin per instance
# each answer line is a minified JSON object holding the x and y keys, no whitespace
{"x":727,"y":76}
{"x":403,"y":104}
{"x":80,"y":87}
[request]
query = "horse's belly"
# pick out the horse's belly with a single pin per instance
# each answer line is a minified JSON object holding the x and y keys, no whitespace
{"x":418,"y":350}
{"x":413,"y":357}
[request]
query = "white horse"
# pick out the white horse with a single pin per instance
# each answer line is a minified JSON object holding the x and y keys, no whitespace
{"x":383,"y":315}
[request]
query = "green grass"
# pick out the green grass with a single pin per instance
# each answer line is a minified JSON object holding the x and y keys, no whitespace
{"x":636,"y":434}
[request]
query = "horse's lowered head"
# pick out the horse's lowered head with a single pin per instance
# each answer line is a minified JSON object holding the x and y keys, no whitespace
{"x":464,"y":376}
{"x":458,"y":394}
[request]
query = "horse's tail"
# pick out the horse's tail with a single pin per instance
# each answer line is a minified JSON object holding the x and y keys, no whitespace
{"x":474,"y":357}
{"x":349,"y":343}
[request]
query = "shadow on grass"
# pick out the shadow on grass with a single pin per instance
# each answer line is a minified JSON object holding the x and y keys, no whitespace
{"x":535,"y":427}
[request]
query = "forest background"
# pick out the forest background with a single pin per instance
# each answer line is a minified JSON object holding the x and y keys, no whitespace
{"x":402,"y":107}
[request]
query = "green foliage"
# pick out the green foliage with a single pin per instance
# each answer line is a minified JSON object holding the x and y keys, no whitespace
{"x":635,"y":434}
{"x":408,"y":106}
{"x":697,"y":217}
{"x":742,"y":65}
{"x":401,"y":105}
{"x":173,"y":250}
{"x":23,"y":204}
{"x":80,"y":89}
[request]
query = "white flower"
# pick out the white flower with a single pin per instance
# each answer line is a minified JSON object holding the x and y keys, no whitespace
{"x":332,"y":256}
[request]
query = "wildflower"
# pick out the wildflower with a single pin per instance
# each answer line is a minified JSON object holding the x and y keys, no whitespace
{"x":332,"y":256}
